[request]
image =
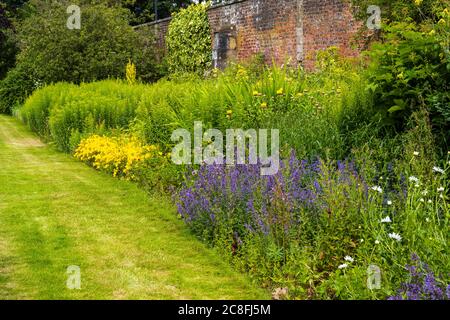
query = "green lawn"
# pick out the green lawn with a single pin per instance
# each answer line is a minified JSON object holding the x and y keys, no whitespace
{"x":56,"y":212}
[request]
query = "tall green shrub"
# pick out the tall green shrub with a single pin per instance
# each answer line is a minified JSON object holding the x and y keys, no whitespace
{"x":189,"y":41}
{"x":50,"y":52}
{"x":411,"y":70}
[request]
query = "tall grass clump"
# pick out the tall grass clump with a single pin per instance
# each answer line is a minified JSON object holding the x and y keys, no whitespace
{"x":64,"y":112}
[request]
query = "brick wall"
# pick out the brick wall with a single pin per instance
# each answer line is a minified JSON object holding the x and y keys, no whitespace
{"x":327,"y":23}
{"x":157,"y":29}
{"x":259,"y":26}
{"x":280,"y":29}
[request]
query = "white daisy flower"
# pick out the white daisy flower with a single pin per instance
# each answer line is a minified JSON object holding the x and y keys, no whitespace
{"x":343,"y":266}
{"x":422,"y":200}
{"x":349,"y":259}
{"x":395,"y":236}
{"x":361,"y":240}
{"x":389,"y":203}
{"x":416,"y":153}
{"x":427,"y":220}
{"x":377,"y":241}
{"x":438,"y":170}
{"x":413,"y":179}
{"x":430,"y":201}
{"x":424,"y":192}
{"x":377,"y":189}
{"x":441,"y":189}
{"x":386,"y":220}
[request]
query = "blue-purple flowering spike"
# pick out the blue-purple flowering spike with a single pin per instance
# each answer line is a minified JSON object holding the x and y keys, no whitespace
{"x":422,"y":284}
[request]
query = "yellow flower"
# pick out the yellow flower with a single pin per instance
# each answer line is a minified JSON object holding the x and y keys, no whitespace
{"x":442,"y":22}
{"x":131,"y":72}
{"x":280,"y":91}
{"x":116,"y":155}
{"x":229,"y":112}
{"x":418,"y":2}
{"x":432,"y":32}
{"x":264,"y":105}
{"x":256,"y":93}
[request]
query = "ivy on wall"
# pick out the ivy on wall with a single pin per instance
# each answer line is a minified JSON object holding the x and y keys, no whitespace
{"x":189,"y":41}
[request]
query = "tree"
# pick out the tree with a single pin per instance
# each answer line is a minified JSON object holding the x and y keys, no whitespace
{"x":52,"y":53}
{"x":8,"y":44}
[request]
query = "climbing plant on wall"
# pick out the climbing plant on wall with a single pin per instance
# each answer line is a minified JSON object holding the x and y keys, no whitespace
{"x":189,"y":41}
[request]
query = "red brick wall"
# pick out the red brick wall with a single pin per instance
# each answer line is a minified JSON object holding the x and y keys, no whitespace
{"x":157,"y":29}
{"x":280,"y":29}
{"x":260,"y":26}
{"x":327,"y":23}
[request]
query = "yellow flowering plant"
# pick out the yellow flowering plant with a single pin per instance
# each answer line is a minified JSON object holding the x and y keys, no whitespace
{"x":131,"y":72}
{"x":116,"y":155}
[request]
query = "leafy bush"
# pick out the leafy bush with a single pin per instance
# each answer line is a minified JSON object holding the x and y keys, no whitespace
{"x":8,"y":43}
{"x":16,"y":86}
{"x":189,"y":41}
{"x":53,"y":53}
{"x":410,"y":71}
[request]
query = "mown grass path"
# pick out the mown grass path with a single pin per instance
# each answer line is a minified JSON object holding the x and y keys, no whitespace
{"x":56,"y":212}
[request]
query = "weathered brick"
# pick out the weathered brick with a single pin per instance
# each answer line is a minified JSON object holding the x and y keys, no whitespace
{"x":280,"y":29}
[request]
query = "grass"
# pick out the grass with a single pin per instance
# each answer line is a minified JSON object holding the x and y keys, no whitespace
{"x":56,"y":212}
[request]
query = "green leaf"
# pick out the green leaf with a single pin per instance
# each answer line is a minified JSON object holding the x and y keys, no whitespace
{"x":396,"y":109}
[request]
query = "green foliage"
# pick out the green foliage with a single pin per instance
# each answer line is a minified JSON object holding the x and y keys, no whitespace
{"x":19,"y":83}
{"x":334,"y":113}
{"x":410,"y":70}
{"x":63,"y":113}
{"x":189,"y":41}
{"x":8,"y":42}
{"x":52,"y":52}
{"x":8,"y":51}
{"x":100,"y":49}
{"x":400,"y":10}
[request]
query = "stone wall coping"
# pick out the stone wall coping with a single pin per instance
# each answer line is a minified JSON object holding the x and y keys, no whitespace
{"x":223,"y":3}
{"x":152,"y":23}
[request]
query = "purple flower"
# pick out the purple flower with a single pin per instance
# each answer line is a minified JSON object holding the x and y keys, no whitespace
{"x":422,"y":284}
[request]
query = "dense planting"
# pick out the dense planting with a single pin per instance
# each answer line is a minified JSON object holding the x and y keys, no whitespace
{"x":318,"y":224}
{"x":363,"y":184}
{"x":321,"y":221}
